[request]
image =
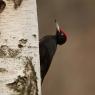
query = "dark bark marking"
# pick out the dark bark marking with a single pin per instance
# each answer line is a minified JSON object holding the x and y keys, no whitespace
{"x":17,"y":3}
{"x":27,"y":84}
{"x":2,"y":6}
{"x":34,"y":35}
{"x":7,"y":52}
{"x":22,"y":43}
{"x":3,"y":70}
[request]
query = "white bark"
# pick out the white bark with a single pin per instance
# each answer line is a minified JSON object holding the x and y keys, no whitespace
{"x":19,"y":49}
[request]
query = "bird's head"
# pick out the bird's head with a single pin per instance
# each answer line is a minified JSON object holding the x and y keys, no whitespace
{"x":60,"y":35}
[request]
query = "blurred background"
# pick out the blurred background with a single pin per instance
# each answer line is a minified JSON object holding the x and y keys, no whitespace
{"x":73,"y":67}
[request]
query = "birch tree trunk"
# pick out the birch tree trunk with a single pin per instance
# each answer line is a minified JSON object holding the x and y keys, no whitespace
{"x":19,"y":48}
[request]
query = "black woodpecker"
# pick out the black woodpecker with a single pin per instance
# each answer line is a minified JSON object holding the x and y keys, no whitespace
{"x":47,"y":48}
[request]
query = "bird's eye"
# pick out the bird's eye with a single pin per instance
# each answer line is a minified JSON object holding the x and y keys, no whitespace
{"x":62,"y":34}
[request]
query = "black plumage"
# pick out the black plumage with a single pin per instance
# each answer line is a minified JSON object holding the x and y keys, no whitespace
{"x":46,"y":53}
{"x":47,"y":48}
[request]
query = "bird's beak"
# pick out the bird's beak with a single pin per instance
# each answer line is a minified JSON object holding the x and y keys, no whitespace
{"x":57,"y":26}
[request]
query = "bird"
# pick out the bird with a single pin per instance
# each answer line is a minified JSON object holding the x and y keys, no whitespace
{"x":47,"y":48}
